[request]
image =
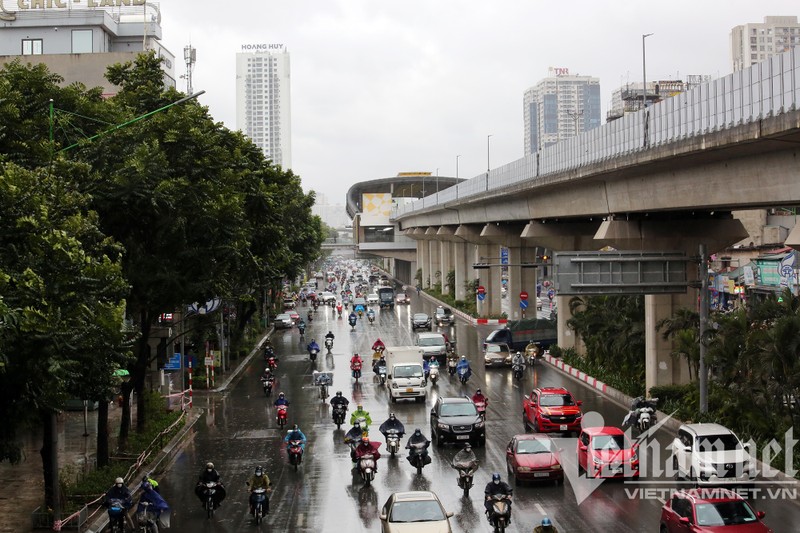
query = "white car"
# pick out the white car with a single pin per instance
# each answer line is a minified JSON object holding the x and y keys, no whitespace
{"x":327,"y":297}
{"x":417,"y":511}
{"x":711,"y":454}
{"x":372,"y":299}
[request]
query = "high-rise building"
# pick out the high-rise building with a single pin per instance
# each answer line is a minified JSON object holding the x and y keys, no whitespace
{"x":755,"y":42}
{"x":559,"y":107}
{"x":263,"y":104}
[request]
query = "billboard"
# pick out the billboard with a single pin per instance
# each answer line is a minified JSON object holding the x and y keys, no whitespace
{"x":376,"y":208}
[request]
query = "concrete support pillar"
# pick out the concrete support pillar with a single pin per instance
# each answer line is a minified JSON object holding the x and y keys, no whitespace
{"x":435,"y":263}
{"x":521,"y":279}
{"x":462,"y":252}
{"x":658,"y":363}
{"x":484,"y":278}
{"x":423,"y":260}
{"x":446,"y":261}
{"x":494,"y":291}
{"x":566,"y":337}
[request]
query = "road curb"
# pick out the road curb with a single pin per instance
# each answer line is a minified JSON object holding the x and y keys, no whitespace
{"x":245,"y":361}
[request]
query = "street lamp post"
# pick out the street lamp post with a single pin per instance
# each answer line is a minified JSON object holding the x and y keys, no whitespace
{"x":457,"y":166}
{"x":644,"y":71}
{"x":488,"y":166}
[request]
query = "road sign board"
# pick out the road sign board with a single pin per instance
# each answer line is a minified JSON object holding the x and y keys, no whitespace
{"x":504,"y":256}
{"x":523,"y":304}
{"x":523,"y":295}
{"x":174,"y":362}
{"x":481,"y":296}
{"x":551,"y":294}
{"x":481,"y":290}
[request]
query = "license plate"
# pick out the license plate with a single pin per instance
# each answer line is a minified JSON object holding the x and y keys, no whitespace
{"x":541,"y":474}
{"x":409,"y":389}
{"x":563,"y":427}
{"x":462,"y":437}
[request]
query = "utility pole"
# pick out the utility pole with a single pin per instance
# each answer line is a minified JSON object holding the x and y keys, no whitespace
{"x":703,"y":377}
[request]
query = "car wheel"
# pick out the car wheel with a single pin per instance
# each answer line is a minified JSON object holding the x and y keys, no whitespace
{"x":559,"y":481}
{"x":663,"y":529}
{"x":535,"y":427}
{"x":438,"y":439}
{"x":482,"y":441}
{"x":525,"y":425}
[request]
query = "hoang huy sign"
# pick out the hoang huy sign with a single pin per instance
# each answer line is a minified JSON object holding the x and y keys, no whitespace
{"x":23,"y":5}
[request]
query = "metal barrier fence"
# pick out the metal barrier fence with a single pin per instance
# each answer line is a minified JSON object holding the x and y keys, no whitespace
{"x":766,"y":89}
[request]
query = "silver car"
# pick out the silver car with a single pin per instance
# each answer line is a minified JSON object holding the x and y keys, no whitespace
{"x":497,"y":354}
{"x":284,"y":321}
{"x":416,"y":511}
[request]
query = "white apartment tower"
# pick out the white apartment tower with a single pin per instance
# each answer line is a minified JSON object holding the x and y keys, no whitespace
{"x":263,"y":103}
{"x":559,"y":107}
{"x":755,"y":42}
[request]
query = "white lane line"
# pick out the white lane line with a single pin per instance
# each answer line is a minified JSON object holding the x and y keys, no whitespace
{"x":301,"y":519}
{"x":540,"y":509}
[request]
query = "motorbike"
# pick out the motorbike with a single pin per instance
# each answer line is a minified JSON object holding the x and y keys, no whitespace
{"x":310,"y":316}
{"x":272,"y":363}
{"x":339,"y":311}
{"x":312,"y":353}
{"x":116,"y":515}
{"x":465,"y":475}
{"x":295,"y":452}
{"x":302,"y":329}
{"x":533,"y":351}
{"x":463,"y":375}
{"x":209,"y":491}
{"x":339,"y":413}
{"x":392,"y":441}
{"x":366,"y":468}
{"x":452,"y":363}
{"x":356,"y":368}
{"x":282,"y":415}
{"x":329,"y":344}
{"x":352,"y":322}
{"x":418,"y":456}
{"x":434,"y":374}
{"x":146,"y":519}
{"x":642,"y":414}
{"x":360,"y":313}
{"x":269,"y":353}
{"x":267,"y":384}
{"x":382,"y":374}
{"x":316,"y":305}
{"x":481,"y":408}
{"x":323,"y":390}
{"x":259,"y":502}
{"x":500,"y":515}
{"x":517,"y":370}
{"x":371,"y":317}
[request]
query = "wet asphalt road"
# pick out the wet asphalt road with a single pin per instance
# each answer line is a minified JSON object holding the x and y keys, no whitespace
{"x":239,"y":432}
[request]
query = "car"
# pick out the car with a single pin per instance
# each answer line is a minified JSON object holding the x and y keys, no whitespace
{"x":283,"y":321}
{"x":289,"y":303}
{"x":456,"y":420}
{"x":401,"y":298}
{"x":372,"y":299}
{"x":552,"y":409}
{"x":360,"y":301}
{"x":294,"y":315}
{"x":420,"y":321}
{"x":714,"y":510}
{"x":326,"y":297}
{"x":711,"y":454}
{"x":444,"y":315}
{"x":496,"y":354}
{"x":606,"y":452}
{"x":432,"y":344}
{"x":534,"y":457}
{"x":417,"y":511}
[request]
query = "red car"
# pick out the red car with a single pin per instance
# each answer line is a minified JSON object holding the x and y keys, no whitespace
{"x":550,"y":410}
{"x":292,"y":313}
{"x":533,"y":457}
{"x":716,"y":510}
{"x":607,"y":452}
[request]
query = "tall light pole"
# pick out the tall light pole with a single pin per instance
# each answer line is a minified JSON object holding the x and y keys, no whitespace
{"x":488,"y":166}
{"x":457,"y":165}
{"x":644,"y":71}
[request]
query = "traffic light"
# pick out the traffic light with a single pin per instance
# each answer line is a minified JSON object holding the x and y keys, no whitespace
{"x":481,"y":266}
{"x":545,"y":258}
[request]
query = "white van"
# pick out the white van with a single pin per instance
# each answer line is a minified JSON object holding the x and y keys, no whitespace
{"x":432,"y":344}
{"x":404,"y":375}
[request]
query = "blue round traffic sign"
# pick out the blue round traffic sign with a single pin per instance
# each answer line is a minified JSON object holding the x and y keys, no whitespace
{"x":523,"y":304}
{"x":481,"y":296}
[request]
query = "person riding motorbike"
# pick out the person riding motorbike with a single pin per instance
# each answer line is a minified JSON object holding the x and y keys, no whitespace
{"x":368,"y":447}
{"x":259,"y":480}
{"x":301,"y":324}
{"x":339,"y":308}
{"x":371,"y":314}
{"x":208,"y":475}
{"x":119,"y":491}
{"x":392,"y":423}
{"x":545,"y":527}
{"x":465,"y":459}
{"x":361,"y":413}
{"x":151,"y":500}
{"x":463,"y":366}
{"x":330,"y":335}
{"x":518,"y":359}
{"x":356,"y":361}
{"x":352,"y":319}
{"x":267,"y":374}
{"x":310,"y":314}
{"x":296,"y":434}
{"x":478,"y":397}
{"x":378,"y":346}
{"x":312,"y":346}
{"x":339,"y":400}
{"x":379,"y":363}
{"x":415,"y":439}
{"x":494,"y":487}
{"x":281,"y":400}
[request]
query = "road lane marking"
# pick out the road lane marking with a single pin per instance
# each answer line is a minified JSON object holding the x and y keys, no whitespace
{"x":540,"y":509}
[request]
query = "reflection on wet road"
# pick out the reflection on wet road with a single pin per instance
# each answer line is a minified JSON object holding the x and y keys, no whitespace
{"x":240,"y":432}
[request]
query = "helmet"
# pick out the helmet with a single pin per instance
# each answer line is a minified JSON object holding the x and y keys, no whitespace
{"x":360,"y":407}
{"x":468,"y":447}
{"x":295,"y":428}
{"x":391,"y":416}
{"x":417,"y":431}
{"x":259,"y":471}
{"x":518,"y":353}
{"x":357,"y":424}
{"x":463,"y":357}
{"x":496,"y":478}
{"x":478,"y":391}
{"x":210,"y":465}
{"x":383,"y":357}
{"x":281,"y":395}
{"x":546,"y":522}
{"x":365,"y":439}
{"x":119,"y":482}
{"x":338,"y":393}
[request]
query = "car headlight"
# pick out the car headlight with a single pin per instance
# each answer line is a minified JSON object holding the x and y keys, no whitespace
{"x":395,"y":385}
{"x":523,"y":469}
{"x":556,"y":466}
{"x":479,"y":424}
{"x":597,"y":460}
{"x":442,"y":426}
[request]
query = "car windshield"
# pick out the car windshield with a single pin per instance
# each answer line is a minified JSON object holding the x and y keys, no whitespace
{"x":419,"y":511}
{"x":410,"y":371}
{"x":718,"y":443}
{"x":283,"y":317}
{"x":420,"y":318}
{"x":431,"y":341}
{"x":556,"y":400}
{"x":495,"y":348}
{"x":610,"y":442}
{"x":444,"y":311}
{"x":458,"y":409}
{"x":535,"y":446}
{"x":724,"y":513}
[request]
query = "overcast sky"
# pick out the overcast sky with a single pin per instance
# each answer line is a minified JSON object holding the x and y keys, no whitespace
{"x":381,"y":87}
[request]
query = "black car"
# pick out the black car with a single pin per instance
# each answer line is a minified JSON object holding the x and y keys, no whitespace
{"x":457,"y":420}
{"x":421,"y":321}
{"x":444,"y":316}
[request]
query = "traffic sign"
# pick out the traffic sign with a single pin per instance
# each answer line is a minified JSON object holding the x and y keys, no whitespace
{"x":174,"y":362}
{"x":481,"y":290}
{"x":523,"y":295}
{"x":481,"y":296}
{"x":523,"y":304}
{"x":551,"y":294}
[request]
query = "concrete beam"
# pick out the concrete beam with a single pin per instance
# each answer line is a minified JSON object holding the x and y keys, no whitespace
{"x":503,"y":234}
{"x":562,"y":235}
{"x":684,"y":235}
{"x":469,"y":233}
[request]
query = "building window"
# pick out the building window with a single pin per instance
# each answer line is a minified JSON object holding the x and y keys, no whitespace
{"x":82,"y":42}
{"x":32,"y":47}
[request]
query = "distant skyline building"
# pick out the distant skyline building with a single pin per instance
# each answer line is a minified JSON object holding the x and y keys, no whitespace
{"x":754,"y":42}
{"x":628,"y":98}
{"x":263,"y":100}
{"x":559,"y":107}
{"x":334,"y":215}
